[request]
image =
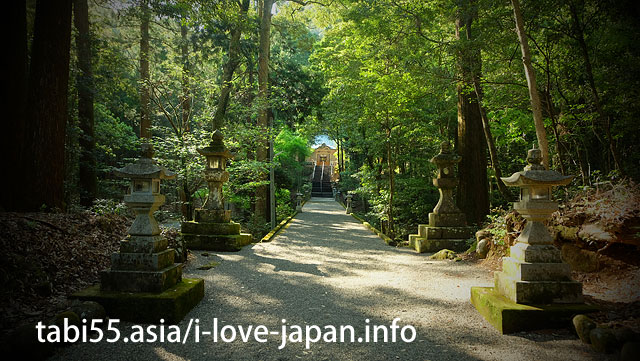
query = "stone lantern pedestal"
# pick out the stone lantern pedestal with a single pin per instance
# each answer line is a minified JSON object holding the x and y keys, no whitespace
{"x":534,"y":288}
{"x":447,"y":228}
{"x":144,"y":284}
{"x":212,"y":228}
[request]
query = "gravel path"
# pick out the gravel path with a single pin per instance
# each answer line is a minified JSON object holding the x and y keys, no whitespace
{"x":328,"y":269}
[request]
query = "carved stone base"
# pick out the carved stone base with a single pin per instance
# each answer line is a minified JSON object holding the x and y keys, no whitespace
{"x":422,"y":245}
{"x":143,"y":264}
{"x":447,"y":220}
{"x":211,"y":232}
{"x":213,"y":216}
{"x":224,"y":243}
{"x":434,"y":239}
{"x":141,"y":281}
{"x":509,"y":317}
{"x":534,"y":272}
{"x":538,"y":292}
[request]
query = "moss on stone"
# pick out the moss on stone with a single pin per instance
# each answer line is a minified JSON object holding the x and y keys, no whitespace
{"x":443,"y":254}
{"x":209,"y":266}
{"x":509,"y":317}
{"x":171,"y":305}
{"x":232,"y":243}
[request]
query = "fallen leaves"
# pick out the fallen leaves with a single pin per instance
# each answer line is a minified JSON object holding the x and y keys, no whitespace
{"x":46,"y":256}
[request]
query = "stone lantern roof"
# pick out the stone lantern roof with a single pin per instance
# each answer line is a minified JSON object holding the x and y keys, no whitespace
{"x":446,"y":156}
{"x":216,"y":147}
{"x":144,"y":167}
{"x":536,"y":174}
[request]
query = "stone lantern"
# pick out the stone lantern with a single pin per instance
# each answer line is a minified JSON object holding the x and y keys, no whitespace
{"x":349,"y":199}
{"x":144,"y":263}
{"x":144,"y":284}
{"x":446,"y":213}
{"x":212,"y":228}
{"x":298,"y":202}
{"x":447,"y":226}
{"x":534,"y":272}
{"x":144,"y":196}
{"x":534,"y":289}
{"x":215,"y":172}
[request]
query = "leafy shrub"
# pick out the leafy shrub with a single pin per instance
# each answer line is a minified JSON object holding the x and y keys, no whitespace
{"x":284,"y":206}
{"x":108,"y":206}
{"x":115,"y":140}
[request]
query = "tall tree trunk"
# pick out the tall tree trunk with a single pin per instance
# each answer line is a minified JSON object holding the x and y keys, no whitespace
{"x":493,"y":152}
{"x":186,"y":94}
{"x":229,"y":68}
{"x":46,"y":116}
{"x":263,"y":104}
{"x":184,"y":192}
{"x":145,"y":97}
{"x":340,"y":156}
{"x":536,"y":106}
{"x":473,"y":190}
{"x":84,"y":80}
{"x":604,"y":118}
{"x":391,"y":170}
{"x":16,"y":98}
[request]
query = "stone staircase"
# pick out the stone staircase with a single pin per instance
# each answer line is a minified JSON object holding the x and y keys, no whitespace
{"x":321,"y":185}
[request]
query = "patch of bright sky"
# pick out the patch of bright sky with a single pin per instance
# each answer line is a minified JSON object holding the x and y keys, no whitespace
{"x":323,"y":139}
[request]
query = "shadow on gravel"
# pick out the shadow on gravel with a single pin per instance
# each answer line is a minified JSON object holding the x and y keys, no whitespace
{"x":280,"y":264}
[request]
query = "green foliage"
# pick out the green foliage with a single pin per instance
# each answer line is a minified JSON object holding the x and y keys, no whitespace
{"x":291,"y":151}
{"x":380,"y":79}
{"x":284,"y":204}
{"x":115,"y":140}
{"x":108,"y":206}
{"x":498,"y":225}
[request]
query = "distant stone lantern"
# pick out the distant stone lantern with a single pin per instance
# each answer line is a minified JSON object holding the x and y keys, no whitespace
{"x":447,"y":228}
{"x":215,"y":173}
{"x":212,"y":228}
{"x":446,"y":213}
{"x":349,"y":199}
{"x":298,"y":202}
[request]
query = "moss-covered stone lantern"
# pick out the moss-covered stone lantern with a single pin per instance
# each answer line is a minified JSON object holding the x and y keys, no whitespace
{"x":144,"y":283}
{"x":534,"y":288}
{"x":144,"y":196}
{"x":349,"y":200}
{"x":212,"y":228}
{"x":447,"y":226}
{"x":534,"y":272}
{"x":215,"y":172}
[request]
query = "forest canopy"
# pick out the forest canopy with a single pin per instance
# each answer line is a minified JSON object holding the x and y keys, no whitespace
{"x":387,"y":81}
